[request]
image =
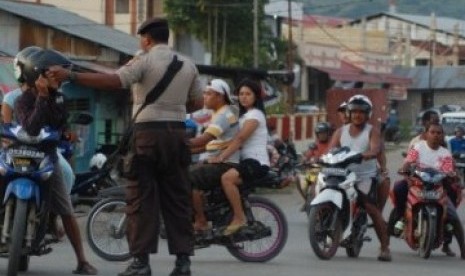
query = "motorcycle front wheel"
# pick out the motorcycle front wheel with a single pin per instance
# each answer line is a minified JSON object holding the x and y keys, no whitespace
{"x":324,"y":237}
{"x":427,"y":235}
{"x":106,"y":230}
{"x":264,"y":249}
{"x":18,"y":231}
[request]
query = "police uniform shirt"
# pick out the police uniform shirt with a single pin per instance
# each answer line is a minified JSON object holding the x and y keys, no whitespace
{"x":144,"y":71}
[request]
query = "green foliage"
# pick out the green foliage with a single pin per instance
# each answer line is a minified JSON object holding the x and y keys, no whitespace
{"x":278,"y":108}
{"x":226,"y":29}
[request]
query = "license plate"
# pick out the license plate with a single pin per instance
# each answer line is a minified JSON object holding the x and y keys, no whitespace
{"x":22,"y":162}
{"x":429,"y":194}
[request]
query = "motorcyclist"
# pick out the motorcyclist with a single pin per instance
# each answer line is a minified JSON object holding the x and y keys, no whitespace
{"x":215,"y":139}
{"x":315,"y":150}
{"x":361,"y":136}
{"x":320,"y":147}
{"x":7,"y":109}
{"x":427,"y":118}
{"x":40,"y":105}
{"x":429,"y":153}
{"x":384,"y":182}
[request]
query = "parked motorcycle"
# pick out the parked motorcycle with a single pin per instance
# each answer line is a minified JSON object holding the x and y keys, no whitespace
{"x":335,"y":217}
{"x":25,"y":166}
{"x":261,"y":240}
{"x":426,"y":211}
{"x":392,"y":134}
{"x":87,"y":185}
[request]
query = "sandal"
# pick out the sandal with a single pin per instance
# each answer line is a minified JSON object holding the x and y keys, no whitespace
{"x":85,"y":268}
{"x":233,"y":228}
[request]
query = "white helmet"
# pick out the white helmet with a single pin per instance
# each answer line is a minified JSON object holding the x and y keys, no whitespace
{"x":97,"y":161}
{"x":360,"y":102}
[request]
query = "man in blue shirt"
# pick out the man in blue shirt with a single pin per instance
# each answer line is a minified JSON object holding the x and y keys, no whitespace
{"x":457,"y":144}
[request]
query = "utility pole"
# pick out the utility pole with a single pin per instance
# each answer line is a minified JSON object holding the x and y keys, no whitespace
{"x":290,"y":63}
{"x":255,"y":33}
{"x":432,"y":56}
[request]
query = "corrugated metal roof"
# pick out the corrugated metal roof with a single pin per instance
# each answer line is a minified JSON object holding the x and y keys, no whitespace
{"x":73,"y":24}
{"x":441,"y":77}
{"x":443,"y":24}
{"x":446,"y":24}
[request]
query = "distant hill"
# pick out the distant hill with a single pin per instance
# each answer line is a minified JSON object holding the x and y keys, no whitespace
{"x":359,"y":8}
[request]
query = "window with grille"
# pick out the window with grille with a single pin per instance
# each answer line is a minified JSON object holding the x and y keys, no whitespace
{"x":122,"y":6}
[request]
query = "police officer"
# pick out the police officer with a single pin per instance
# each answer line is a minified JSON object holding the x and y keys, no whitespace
{"x":162,"y":183}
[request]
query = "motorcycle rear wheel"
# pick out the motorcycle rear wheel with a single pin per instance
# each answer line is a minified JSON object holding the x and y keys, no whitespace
{"x":106,"y":230}
{"x":18,"y":232}
{"x":324,"y":242}
{"x":264,"y":249}
{"x":427,"y":237}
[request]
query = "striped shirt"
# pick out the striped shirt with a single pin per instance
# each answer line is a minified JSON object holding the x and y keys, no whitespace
{"x":224,"y":126}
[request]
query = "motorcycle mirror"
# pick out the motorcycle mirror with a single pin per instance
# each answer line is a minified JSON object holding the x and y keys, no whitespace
{"x":81,"y":119}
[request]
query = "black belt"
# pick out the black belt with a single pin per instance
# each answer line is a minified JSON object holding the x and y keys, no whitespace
{"x":160,"y":125}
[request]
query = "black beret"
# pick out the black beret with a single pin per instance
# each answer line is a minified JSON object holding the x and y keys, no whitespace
{"x":150,"y":23}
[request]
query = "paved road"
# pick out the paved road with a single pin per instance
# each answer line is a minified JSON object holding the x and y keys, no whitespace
{"x":297,"y":257}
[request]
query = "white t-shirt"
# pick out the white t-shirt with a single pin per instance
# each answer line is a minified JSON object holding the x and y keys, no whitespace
{"x":255,"y":146}
{"x":426,"y":157}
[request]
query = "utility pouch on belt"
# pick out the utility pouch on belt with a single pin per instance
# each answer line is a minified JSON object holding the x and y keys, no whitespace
{"x":127,"y":148}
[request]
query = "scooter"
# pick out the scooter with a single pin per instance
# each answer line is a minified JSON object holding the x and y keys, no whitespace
{"x":426,"y":211}
{"x":335,"y":217}
{"x":24,"y":167}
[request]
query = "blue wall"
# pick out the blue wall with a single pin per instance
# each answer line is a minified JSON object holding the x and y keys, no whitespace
{"x":85,"y":148}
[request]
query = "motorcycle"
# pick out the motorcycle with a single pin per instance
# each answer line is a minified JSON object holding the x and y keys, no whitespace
{"x":25,"y":166}
{"x":88,"y":184}
{"x":306,"y":186}
{"x":261,"y":240}
{"x":426,"y":211}
{"x":392,"y":134}
{"x":335,"y":217}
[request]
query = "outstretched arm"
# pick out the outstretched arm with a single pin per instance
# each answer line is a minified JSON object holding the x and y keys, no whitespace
{"x":244,"y":133}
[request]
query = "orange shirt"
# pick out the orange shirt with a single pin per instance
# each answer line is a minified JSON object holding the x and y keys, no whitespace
{"x":321,"y":148}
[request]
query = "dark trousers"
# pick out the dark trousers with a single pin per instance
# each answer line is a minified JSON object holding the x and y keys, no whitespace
{"x":162,"y":188}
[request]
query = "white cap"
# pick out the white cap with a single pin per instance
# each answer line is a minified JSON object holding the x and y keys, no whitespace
{"x":222,"y":87}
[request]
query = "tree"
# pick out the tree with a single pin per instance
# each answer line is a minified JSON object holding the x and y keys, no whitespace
{"x":226,"y":29}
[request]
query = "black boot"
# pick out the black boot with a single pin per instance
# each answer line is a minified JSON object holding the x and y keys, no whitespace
{"x":139,"y":267}
{"x":182,"y":266}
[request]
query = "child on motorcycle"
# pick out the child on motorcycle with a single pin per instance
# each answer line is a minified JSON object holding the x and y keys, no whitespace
{"x":429,"y":153}
{"x":320,"y":147}
{"x":315,"y":150}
